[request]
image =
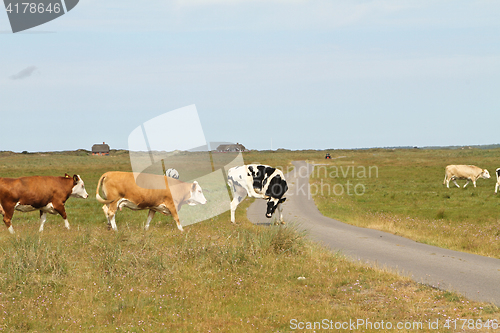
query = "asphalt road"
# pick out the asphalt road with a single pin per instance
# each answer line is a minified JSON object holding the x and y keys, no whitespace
{"x":473,"y":276}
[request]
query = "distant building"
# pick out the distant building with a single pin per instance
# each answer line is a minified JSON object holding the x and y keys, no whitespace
{"x":100,"y":149}
{"x":225,"y":148}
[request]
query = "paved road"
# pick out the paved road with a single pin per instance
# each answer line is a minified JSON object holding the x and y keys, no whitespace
{"x":475,"y":277}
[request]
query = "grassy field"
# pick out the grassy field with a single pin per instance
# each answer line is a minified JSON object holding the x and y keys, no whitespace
{"x":405,"y":195}
{"x":213,"y":277}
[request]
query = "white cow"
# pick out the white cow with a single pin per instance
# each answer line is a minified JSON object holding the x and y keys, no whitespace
{"x":469,"y":172}
{"x":257,"y":181}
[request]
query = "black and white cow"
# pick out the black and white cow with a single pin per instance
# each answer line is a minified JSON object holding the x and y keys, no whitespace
{"x":257,"y":181}
{"x":497,"y":185}
{"x":172,"y":173}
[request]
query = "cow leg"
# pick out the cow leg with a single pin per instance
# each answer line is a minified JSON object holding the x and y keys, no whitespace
{"x":105,"y":210}
{"x":234,"y":203}
{"x":496,"y":187}
{"x":59,"y":207}
{"x":176,"y":219}
{"x":109,"y":216}
{"x":8,"y":212}
{"x":280,"y":214}
{"x":113,"y":223}
{"x":474,"y":182}
{"x":8,"y":224}
{"x":110,"y":212}
{"x":43,"y":219}
{"x":448,"y":179}
{"x":455,"y":181}
{"x":467,"y":182}
{"x":150,"y":217}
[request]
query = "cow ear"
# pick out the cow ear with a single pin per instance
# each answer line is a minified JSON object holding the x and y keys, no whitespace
{"x":282,"y":200}
{"x":193,"y":188}
{"x":66,"y":175}
{"x":75,"y":178}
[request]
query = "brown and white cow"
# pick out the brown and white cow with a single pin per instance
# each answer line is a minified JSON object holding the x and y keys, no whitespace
{"x":44,"y":193}
{"x":469,"y":172}
{"x":156,"y":193}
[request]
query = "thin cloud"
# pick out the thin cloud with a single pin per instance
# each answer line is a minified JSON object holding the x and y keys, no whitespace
{"x":27,"y":72}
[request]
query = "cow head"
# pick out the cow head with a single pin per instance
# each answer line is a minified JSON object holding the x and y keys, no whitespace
{"x":78,"y":190}
{"x":272,"y":204}
{"x":485,"y":174}
{"x":197,"y":196}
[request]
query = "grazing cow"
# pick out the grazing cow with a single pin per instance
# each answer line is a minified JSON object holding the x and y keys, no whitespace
{"x":44,"y":193}
{"x":469,"y":172}
{"x":172,"y":173}
{"x":498,"y":180}
{"x":257,"y":181}
{"x":156,"y":193}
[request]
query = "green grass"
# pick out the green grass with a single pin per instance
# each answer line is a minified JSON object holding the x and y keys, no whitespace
{"x":215,"y":276}
{"x":407,"y":197}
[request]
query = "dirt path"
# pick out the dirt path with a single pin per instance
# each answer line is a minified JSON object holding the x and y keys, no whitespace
{"x":475,"y":277}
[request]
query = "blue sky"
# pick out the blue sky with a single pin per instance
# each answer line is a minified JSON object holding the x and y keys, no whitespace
{"x":296,"y":74}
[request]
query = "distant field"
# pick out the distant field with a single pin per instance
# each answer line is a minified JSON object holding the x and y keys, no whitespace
{"x":404,"y":195}
{"x":215,"y":276}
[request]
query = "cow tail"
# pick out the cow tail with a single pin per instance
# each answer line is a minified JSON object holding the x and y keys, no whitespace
{"x":97,"y":196}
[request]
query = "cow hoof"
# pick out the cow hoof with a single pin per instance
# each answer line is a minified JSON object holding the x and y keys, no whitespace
{"x":11,"y":230}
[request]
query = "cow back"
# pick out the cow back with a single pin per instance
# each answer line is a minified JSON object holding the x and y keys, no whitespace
{"x":145,"y":190}
{"x":36,"y":191}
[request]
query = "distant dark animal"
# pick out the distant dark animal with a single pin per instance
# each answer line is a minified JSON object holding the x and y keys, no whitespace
{"x":44,"y":193}
{"x":257,"y":181}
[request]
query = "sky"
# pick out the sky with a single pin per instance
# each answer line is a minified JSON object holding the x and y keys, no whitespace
{"x":293,"y":74}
